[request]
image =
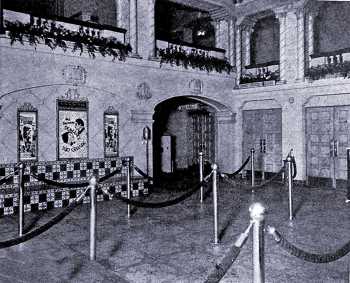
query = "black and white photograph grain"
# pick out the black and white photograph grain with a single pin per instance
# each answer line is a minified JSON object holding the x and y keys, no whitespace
{"x":174,"y":141}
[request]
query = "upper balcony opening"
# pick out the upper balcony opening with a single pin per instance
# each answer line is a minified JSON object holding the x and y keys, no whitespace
{"x":187,"y":34}
{"x":261,"y":51}
{"x":183,"y":24}
{"x":54,"y":23}
{"x":82,"y":12}
{"x":329,"y":41}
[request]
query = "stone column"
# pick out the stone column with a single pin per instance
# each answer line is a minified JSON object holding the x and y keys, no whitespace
{"x":217,"y":34}
{"x":152,"y":31}
{"x":238,"y":53}
{"x":282,"y":20}
{"x":310,"y":32}
{"x":300,"y":45}
{"x":146,"y":29}
{"x":231,"y":42}
{"x":246,"y":39}
{"x":133,"y":26}
{"x":221,"y":34}
{"x":123,"y":16}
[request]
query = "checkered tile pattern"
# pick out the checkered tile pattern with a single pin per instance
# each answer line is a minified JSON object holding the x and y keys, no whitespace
{"x":39,"y":196}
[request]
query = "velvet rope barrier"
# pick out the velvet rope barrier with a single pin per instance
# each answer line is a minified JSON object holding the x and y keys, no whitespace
{"x":294,"y":167}
{"x":221,"y":268}
{"x":73,"y":185}
{"x":263,"y":184}
{"x":310,"y":257}
{"x":231,"y":175}
{"x":160,"y":204}
{"x":5,"y":179}
{"x":53,"y":221}
{"x":143,"y":174}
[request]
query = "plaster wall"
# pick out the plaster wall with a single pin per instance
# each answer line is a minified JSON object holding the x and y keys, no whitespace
{"x":36,"y":77}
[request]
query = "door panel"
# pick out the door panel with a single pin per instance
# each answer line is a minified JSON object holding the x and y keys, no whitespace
{"x":319,"y":128}
{"x":327,"y":137}
{"x":263,"y":126}
{"x":342,"y":137}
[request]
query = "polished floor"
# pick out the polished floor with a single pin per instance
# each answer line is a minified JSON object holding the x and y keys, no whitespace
{"x":175,"y":244}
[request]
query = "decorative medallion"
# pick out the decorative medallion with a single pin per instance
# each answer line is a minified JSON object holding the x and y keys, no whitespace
{"x":196,"y":86}
{"x":72,"y":93}
{"x":74,"y":74}
{"x":143,"y":92}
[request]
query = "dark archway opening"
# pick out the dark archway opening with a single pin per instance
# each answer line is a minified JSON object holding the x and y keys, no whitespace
{"x":182,"y":128}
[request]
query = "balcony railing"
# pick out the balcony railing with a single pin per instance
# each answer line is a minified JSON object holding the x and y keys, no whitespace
{"x":187,"y":55}
{"x":65,"y":33}
{"x":329,"y":65}
{"x":210,"y":51}
{"x":266,"y":74}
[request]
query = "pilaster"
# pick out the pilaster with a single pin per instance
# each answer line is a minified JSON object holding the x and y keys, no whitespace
{"x":146,"y":29}
{"x":238,"y":53}
{"x":231,"y":42}
{"x":133,"y":25}
{"x":300,"y":44}
{"x":281,"y":16}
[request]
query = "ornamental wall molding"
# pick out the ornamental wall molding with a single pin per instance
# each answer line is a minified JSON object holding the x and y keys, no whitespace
{"x":196,"y":86}
{"x":74,"y":74}
{"x":143,"y":91}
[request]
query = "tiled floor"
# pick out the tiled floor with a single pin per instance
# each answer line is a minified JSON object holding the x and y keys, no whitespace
{"x":174,"y":244}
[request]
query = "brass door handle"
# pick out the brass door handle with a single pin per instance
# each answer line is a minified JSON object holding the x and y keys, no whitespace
{"x":331,"y":148}
{"x":336,"y":148}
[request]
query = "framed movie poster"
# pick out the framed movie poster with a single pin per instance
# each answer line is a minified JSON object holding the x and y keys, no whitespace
{"x":111,"y":132}
{"x":72,"y":129}
{"x":27,"y":125}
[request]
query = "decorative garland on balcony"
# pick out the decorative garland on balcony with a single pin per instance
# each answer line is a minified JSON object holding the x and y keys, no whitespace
{"x":54,"y":35}
{"x":262,"y":77}
{"x":342,"y":69}
{"x":196,"y":59}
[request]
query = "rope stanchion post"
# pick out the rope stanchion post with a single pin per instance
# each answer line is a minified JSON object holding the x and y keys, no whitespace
{"x":93,"y":184}
{"x":21,"y":202}
{"x":215,"y":202}
{"x":290,"y":186}
{"x":252,"y":152}
{"x":201,"y":174}
{"x":348,"y":181}
{"x":257,"y":216}
{"x":128,"y":185}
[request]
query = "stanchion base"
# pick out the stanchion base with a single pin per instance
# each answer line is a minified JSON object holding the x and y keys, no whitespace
{"x":213,"y":244}
{"x":291,"y":223}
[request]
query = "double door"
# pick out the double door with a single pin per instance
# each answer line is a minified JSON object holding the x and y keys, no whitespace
{"x":262,"y":130}
{"x":327,"y":137}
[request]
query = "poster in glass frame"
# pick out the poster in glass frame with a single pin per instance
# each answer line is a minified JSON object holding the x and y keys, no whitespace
{"x":111,"y":133}
{"x":27,"y":129}
{"x":72,"y":129}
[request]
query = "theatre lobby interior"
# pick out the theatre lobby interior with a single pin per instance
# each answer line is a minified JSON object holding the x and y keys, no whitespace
{"x":175,"y":141}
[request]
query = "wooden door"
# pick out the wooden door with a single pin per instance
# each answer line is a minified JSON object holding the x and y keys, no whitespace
{"x":262,"y":130}
{"x":341,"y":140}
{"x":319,"y":135}
{"x":327,"y":137}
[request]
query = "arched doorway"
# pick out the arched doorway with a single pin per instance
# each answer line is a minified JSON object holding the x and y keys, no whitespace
{"x":183,"y":126}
